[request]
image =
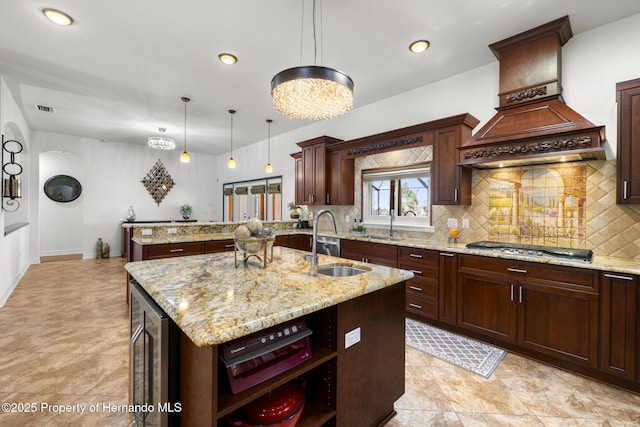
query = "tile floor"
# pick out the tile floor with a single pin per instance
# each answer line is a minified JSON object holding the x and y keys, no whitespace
{"x":64,"y":341}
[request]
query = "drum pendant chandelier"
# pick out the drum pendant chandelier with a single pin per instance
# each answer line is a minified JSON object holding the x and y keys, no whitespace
{"x":312,"y":92}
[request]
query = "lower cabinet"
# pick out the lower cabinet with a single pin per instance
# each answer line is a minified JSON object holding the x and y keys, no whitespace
{"x":375,"y":253}
{"x":552,"y":310}
{"x":619,"y":325}
{"x":422,"y":290}
{"x":447,"y":287}
{"x":213,"y":246}
{"x":347,"y":385}
{"x":166,"y":250}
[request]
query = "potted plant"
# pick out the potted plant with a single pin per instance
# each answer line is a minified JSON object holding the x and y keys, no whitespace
{"x":293,"y":210}
{"x":185,"y":210}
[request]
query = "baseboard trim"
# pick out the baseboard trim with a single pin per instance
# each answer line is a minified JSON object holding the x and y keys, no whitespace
{"x":53,"y":258}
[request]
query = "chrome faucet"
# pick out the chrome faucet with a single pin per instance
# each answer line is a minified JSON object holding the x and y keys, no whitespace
{"x":313,"y":257}
{"x":392,"y":215}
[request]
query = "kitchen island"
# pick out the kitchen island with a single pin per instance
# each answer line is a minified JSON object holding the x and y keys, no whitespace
{"x":356,"y":372}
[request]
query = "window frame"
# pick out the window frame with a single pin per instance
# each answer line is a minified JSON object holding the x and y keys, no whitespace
{"x":395,"y":174}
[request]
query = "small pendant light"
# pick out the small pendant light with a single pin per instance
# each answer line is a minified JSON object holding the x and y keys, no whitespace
{"x":268,"y":168}
{"x":231,"y":163}
{"x":184,"y":157}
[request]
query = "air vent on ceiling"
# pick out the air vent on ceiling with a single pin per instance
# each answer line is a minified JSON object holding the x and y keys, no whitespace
{"x":45,"y":108}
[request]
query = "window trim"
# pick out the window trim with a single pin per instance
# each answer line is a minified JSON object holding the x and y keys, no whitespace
{"x":396,"y":172}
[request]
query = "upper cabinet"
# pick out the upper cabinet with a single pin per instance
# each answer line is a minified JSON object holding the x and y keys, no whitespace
{"x":451,"y":183}
{"x":323,"y":176}
{"x":628,"y":157}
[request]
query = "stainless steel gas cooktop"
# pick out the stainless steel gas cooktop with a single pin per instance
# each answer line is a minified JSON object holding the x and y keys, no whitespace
{"x":534,"y":250}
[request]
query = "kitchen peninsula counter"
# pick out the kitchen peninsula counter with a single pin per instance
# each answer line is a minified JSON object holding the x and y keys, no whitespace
{"x":355,"y":372}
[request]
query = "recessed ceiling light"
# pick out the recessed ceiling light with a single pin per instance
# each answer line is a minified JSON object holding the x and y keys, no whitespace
{"x":419,"y":46}
{"x":227,"y":58}
{"x":57,"y":17}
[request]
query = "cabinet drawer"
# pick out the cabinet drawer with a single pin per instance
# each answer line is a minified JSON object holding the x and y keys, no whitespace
{"x":422,"y":289}
{"x":172,"y":250}
{"x":422,"y":260}
{"x":374,"y":253}
{"x":548,"y":274}
{"x":213,"y":246}
{"x":421,"y":307}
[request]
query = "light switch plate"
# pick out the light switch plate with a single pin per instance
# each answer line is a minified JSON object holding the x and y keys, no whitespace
{"x":352,"y":337}
{"x":465,"y":222}
{"x":147,"y":232}
{"x":452,"y":222}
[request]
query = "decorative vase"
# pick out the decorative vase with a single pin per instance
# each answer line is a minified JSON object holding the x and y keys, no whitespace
{"x":186,"y":215}
{"x":99,"y":247}
{"x":131,"y":215}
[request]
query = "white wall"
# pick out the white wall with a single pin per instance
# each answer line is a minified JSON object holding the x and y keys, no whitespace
{"x":60,"y":230}
{"x":14,"y":247}
{"x":112,"y":174}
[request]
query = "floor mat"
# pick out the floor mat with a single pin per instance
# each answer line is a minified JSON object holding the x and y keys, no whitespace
{"x":472,"y":355}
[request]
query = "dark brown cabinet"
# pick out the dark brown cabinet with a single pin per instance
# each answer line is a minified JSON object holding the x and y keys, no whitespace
{"x":628,"y":157}
{"x":422,"y":289}
{"x":323,"y":176}
{"x":375,"y":253}
{"x":447,"y":287}
{"x":341,"y":390}
{"x":214,"y":246}
{"x":451,"y":184}
{"x":166,"y":250}
{"x":619,"y":325}
{"x":549,"y":309}
{"x":340,"y":179}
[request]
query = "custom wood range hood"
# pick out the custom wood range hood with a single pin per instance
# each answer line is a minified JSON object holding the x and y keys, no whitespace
{"x":533,"y":124}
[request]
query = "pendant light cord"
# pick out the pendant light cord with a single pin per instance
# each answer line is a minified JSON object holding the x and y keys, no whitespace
{"x":315,"y":40}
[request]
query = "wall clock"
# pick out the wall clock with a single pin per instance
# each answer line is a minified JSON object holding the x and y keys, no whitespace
{"x":62,"y":188}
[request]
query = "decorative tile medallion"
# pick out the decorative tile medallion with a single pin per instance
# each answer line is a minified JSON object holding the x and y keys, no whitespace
{"x":539,"y":205}
{"x":158,"y":182}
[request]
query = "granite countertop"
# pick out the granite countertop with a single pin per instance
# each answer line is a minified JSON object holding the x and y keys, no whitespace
{"x":601,"y":263}
{"x":213,"y":302}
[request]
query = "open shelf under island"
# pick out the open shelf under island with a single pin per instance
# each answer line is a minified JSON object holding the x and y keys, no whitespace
{"x":212,"y":302}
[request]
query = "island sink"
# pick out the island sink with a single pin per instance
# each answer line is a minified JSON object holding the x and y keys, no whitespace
{"x":341,"y":270}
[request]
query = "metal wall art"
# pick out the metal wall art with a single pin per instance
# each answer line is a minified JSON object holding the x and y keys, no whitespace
{"x":11,"y":186}
{"x":158,"y":182}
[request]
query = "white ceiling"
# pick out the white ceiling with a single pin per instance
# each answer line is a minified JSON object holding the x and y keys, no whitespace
{"x":119,"y":72}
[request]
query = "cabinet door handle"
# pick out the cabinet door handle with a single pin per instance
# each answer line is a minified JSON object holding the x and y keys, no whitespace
{"x":511,"y":298}
{"x":616,"y":276}
{"x":447,"y":254}
{"x":415,"y":288}
{"x":416,"y":306}
{"x":520,"y":294}
{"x":416,"y":272}
{"x":455,"y":194}
{"x":625,"y":187}
{"x":415,"y":256}
{"x":229,"y":246}
{"x":176,"y":250}
{"x":327,"y":199}
{"x":517,"y":270}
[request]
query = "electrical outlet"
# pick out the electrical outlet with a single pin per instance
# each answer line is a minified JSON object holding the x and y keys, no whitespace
{"x":172,"y":230}
{"x":465,"y":222}
{"x":352,"y":337}
{"x":147,"y":232}
{"x":452,"y":222}
{"x":347,"y":219}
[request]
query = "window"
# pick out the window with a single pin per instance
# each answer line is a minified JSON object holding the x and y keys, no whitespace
{"x":405,"y":190}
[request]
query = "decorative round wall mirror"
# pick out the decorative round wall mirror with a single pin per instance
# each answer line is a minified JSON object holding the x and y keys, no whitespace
{"x":62,"y":188}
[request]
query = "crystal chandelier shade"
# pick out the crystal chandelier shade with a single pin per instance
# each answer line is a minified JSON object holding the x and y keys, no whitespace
{"x":312,"y":92}
{"x":161,"y":143}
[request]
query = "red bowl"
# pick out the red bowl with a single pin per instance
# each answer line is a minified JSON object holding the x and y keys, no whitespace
{"x":281,"y":407}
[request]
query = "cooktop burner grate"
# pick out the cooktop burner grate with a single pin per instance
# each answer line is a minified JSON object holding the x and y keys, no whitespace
{"x":534,"y":250}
